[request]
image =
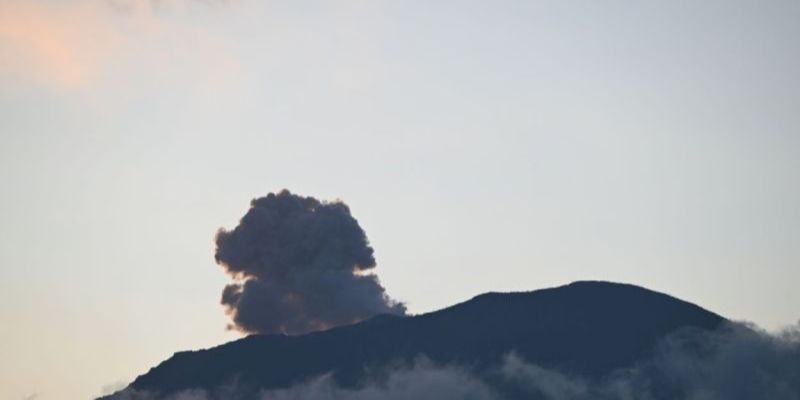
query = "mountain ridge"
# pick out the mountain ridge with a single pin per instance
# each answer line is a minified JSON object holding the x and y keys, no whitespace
{"x":586,"y":327}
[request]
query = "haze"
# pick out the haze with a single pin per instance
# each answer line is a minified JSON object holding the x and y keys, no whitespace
{"x":482,"y":146}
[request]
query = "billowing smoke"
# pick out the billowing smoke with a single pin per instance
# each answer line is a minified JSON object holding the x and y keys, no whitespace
{"x":300,"y":265}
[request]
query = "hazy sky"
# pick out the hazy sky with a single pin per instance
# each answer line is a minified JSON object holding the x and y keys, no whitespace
{"x":482,"y":145}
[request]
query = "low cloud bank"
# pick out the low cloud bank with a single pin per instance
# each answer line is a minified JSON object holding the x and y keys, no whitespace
{"x":739,"y":361}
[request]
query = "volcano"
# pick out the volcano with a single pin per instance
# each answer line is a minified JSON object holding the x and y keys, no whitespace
{"x":586,"y":328}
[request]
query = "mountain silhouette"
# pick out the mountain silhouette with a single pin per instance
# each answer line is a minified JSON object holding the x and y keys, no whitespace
{"x":587,"y":328}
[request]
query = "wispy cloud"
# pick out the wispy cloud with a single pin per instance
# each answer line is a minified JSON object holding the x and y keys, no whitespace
{"x":158,"y":6}
{"x":71,"y":44}
{"x":50,"y":44}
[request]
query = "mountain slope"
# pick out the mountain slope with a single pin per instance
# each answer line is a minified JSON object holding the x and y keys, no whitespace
{"x":586,"y":328}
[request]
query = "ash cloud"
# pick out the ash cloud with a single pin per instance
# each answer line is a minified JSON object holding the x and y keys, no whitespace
{"x":300,"y":265}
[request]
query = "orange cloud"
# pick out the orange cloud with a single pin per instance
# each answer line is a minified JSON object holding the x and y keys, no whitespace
{"x":72,"y":44}
{"x":50,"y":44}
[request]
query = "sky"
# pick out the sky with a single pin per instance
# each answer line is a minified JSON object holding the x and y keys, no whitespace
{"x":482,"y":146}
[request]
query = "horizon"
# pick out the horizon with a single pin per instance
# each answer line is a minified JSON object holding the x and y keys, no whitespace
{"x":456,"y":148}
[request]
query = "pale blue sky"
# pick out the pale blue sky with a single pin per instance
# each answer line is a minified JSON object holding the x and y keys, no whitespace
{"x":483,"y":146}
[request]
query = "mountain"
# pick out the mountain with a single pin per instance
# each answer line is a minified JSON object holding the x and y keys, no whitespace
{"x":585,"y":328}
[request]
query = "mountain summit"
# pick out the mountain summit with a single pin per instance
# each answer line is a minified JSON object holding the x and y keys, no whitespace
{"x":585,"y":328}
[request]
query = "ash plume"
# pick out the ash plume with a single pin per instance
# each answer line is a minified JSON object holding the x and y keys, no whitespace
{"x":299,"y":265}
